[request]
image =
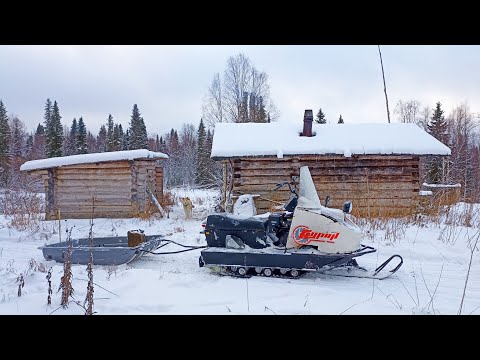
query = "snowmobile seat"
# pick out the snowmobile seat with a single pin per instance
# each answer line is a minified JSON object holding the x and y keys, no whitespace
{"x":232,"y":222}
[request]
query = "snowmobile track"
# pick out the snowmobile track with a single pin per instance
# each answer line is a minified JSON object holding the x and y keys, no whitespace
{"x":235,"y":271}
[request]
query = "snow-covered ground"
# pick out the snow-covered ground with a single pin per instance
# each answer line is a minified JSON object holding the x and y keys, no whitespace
{"x":431,"y":281}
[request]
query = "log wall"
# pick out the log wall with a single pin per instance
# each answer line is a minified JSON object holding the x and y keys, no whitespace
{"x":115,"y":189}
{"x":377,"y":185}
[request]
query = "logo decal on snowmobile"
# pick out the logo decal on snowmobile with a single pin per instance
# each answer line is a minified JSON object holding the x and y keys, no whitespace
{"x":303,"y":235}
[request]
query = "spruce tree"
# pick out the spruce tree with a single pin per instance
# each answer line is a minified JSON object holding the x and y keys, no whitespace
{"x":138,"y":131}
{"x":4,"y":141}
{"x":54,"y":131}
{"x":438,"y":128}
{"x":117,"y":138}
{"x":163,"y":145}
{"x":81,"y":139}
{"x":122,"y":135}
{"x":143,"y":134}
{"x":110,"y":135}
{"x":208,"y":142}
{"x":40,"y":130}
{"x":48,"y":113}
{"x":72,"y":138}
{"x":126,"y":141}
{"x":173,"y":143}
{"x":320,"y":118}
{"x":46,"y":118}
{"x":29,"y":147}
{"x":4,"y":133}
{"x":340,"y":120}
{"x":102,"y":139}
{"x":208,"y":150}
{"x":201,"y":173}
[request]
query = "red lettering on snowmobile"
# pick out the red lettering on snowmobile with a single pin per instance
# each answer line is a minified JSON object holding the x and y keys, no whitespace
{"x":303,"y":235}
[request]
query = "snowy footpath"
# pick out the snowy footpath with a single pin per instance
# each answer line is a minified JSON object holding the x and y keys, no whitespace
{"x":431,"y":281}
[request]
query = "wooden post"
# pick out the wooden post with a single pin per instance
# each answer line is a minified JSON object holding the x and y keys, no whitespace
{"x":154,"y":200}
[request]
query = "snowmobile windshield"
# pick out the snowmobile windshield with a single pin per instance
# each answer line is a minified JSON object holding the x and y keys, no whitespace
{"x":307,"y":194}
{"x":308,"y":199}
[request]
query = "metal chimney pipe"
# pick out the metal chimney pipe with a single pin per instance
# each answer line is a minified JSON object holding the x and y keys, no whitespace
{"x":307,"y":123}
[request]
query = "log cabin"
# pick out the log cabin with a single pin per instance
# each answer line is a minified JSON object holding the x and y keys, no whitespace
{"x":374,"y":165}
{"x":115,"y":184}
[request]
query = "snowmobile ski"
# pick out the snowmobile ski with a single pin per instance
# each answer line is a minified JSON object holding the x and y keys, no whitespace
{"x":359,"y":272}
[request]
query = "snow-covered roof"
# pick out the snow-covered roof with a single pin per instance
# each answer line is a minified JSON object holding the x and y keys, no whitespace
{"x":279,"y":139}
{"x":91,"y":158}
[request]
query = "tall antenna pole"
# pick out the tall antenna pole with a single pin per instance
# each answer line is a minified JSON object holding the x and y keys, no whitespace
{"x":384,"y":85}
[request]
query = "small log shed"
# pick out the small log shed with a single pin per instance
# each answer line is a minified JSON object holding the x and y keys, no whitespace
{"x":111,"y":184}
{"x":374,"y":165}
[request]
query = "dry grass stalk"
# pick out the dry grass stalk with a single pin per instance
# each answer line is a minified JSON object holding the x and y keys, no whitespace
{"x":66,"y":280}
{"x":21,"y":284}
{"x":90,"y":289}
{"x":50,"y":292}
{"x":23,"y":208}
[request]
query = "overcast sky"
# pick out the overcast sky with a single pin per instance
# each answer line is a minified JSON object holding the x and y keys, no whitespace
{"x":168,"y":82}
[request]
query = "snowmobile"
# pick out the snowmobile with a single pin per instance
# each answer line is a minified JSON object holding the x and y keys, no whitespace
{"x":305,"y":237}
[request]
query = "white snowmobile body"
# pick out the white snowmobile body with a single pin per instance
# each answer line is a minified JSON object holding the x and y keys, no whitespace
{"x":329,"y":230}
{"x":306,"y":237}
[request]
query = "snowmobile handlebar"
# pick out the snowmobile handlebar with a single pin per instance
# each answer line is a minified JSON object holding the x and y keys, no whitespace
{"x":280,"y":185}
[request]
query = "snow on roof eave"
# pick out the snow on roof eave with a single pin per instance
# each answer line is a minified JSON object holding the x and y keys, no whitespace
{"x":236,"y":140}
{"x":140,"y":154}
{"x":218,"y":157}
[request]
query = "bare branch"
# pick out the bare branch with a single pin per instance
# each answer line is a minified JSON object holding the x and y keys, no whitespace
{"x":435,"y":291}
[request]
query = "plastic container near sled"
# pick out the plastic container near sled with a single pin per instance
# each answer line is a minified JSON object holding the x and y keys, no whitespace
{"x":106,"y":250}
